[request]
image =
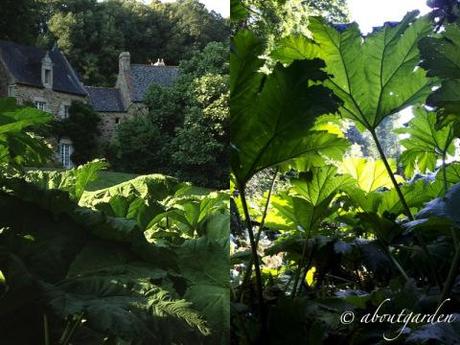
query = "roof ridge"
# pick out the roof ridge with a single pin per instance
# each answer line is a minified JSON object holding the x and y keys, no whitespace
{"x":102,"y":87}
{"x":147,"y":65}
{"x":70,"y":67}
{"x":23,"y":64}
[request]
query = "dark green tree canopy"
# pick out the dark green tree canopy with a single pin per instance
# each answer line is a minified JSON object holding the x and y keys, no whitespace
{"x":93,"y":33}
{"x":185,"y":133}
{"x":82,"y":128}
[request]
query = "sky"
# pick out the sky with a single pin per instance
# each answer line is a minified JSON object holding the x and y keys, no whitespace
{"x":370,"y":13}
{"x":220,"y":6}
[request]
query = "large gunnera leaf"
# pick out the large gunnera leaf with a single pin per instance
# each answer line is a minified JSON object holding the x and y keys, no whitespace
{"x":326,"y":143}
{"x":307,"y":203}
{"x":375,"y":76}
{"x":74,"y":181}
{"x":148,"y":187}
{"x":445,"y":207}
{"x":75,"y":261}
{"x":426,"y":144}
{"x":18,"y":147}
{"x":369,"y":174}
{"x":436,"y":333}
{"x":271,"y":114}
{"x":441,"y":58}
{"x":205,"y":263}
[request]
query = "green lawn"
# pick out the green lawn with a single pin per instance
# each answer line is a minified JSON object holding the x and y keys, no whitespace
{"x":108,"y":179}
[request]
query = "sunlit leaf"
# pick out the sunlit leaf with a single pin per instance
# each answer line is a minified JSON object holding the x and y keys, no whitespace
{"x":369,"y":174}
{"x":375,"y":76}
{"x":440,"y":55}
{"x":310,"y":276}
{"x":426,"y":143}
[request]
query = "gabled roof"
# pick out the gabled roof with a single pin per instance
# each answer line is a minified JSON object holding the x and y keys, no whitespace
{"x":104,"y":99}
{"x":143,"y":76}
{"x":24,"y":63}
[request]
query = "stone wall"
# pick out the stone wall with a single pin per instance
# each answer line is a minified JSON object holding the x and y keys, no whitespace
{"x":3,"y":81}
{"x":55,"y":104}
{"x":109,"y":123}
{"x":55,"y":100}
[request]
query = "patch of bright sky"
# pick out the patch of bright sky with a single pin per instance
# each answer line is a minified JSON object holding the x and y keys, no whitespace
{"x":371,"y":13}
{"x":220,"y":6}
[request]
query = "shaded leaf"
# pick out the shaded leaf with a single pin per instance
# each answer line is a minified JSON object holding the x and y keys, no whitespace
{"x":271,"y":114}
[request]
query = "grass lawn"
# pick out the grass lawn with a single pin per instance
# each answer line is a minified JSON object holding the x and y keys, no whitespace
{"x":108,"y":179}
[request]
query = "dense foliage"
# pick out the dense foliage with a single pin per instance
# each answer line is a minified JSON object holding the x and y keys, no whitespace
{"x":141,"y":262}
{"x":93,"y":33}
{"x":20,"y":26}
{"x":81,"y":127}
{"x":185,"y":133}
{"x":333,"y":232}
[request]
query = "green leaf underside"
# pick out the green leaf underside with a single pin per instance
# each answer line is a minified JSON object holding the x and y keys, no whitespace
{"x":426,"y":143}
{"x":307,"y":202}
{"x":272,"y":114}
{"x":18,"y":147}
{"x":441,"y":58}
{"x":375,"y":76}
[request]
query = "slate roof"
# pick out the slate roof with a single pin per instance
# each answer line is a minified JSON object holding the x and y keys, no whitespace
{"x":24,"y":63}
{"x":104,"y":99}
{"x":143,"y":76}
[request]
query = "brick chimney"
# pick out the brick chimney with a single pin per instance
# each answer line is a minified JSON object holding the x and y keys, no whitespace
{"x":124,"y":62}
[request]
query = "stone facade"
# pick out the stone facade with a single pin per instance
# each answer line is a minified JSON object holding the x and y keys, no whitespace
{"x":109,"y":123}
{"x":43,"y":79}
{"x":46,"y":79}
{"x":55,"y":102}
{"x":4,"y":82}
{"x":126,"y":99}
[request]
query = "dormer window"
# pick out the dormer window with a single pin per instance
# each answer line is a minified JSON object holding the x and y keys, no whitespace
{"x":47,"y":71}
{"x":47,"y":76}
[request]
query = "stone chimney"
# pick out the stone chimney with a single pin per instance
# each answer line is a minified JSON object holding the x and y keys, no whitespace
{"x":124,"y":62}
{"x":47,"y":71}
{"x":160,"y":62}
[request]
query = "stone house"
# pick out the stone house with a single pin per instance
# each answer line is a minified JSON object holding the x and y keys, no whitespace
{"x":127,"y":97}
{"x":46,"y":79}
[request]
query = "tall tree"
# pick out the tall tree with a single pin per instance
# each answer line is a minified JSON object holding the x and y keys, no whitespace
{"x":275,"y":19}
{"x":279,"y":18}
{"x":93,"y":33}
{"x":20,"y":20}
{"x":335,"y":11}
{"x":190,"y":26}
{"x":186,"y":131}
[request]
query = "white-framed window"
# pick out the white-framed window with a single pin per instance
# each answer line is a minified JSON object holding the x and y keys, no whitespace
{"x":40,"y":105}
{"x":64,"y":154}
{"x":11,"y":91}
{"x":65,"y":111}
